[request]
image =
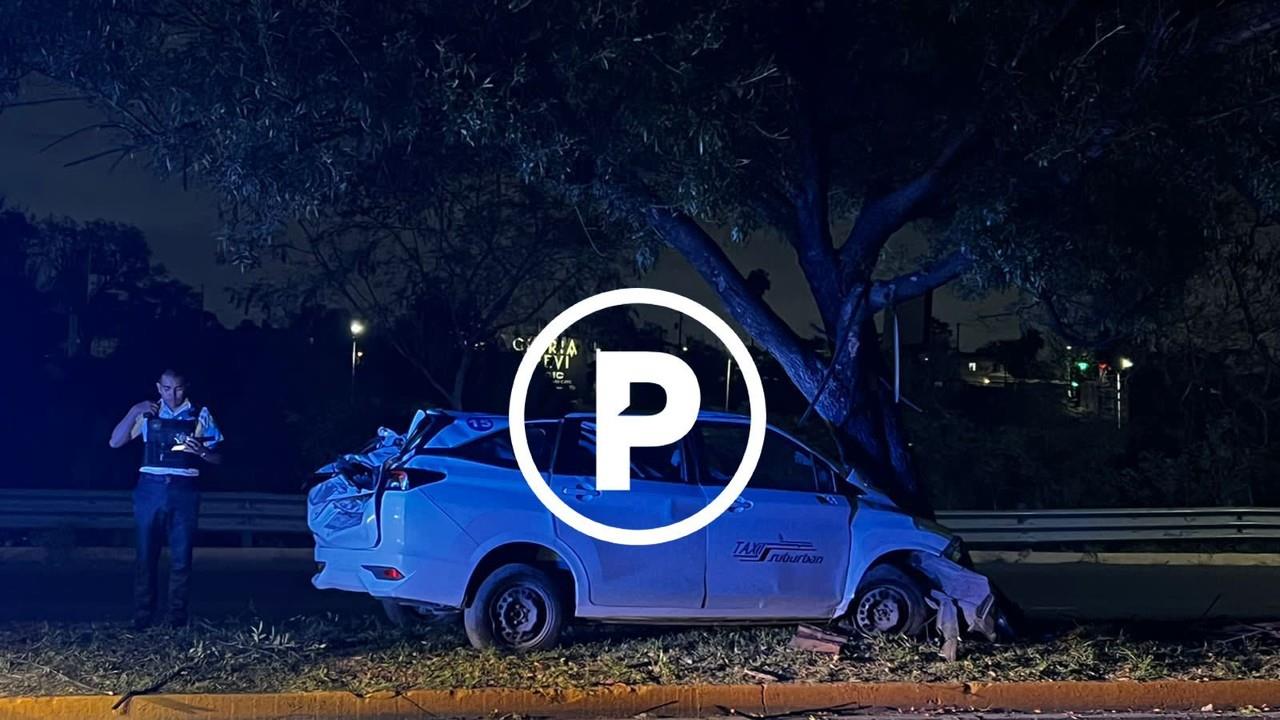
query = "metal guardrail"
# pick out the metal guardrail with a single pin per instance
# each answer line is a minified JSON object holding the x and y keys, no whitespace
{"x":979,"y":528}
{"x":113,"y":510}
{"x":250,"y":513}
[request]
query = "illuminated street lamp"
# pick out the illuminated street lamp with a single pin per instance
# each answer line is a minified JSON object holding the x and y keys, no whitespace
{"x":1124,"y":364}
{"x":357,"y":329}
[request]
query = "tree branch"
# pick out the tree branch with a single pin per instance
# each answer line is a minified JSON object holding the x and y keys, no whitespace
{"x":1243,"y":23}
{"x":883,"y":216}
{"x":811,"y":235}
{"x":757,"y":318}
{"x":912,"y":285}
{"x":44,"y":101}
{"x":122,"y":149}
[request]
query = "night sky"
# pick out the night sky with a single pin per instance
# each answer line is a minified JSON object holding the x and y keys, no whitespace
{"x":179,"y":225}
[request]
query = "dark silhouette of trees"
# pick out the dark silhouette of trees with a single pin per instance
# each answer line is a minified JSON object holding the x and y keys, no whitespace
{"x":1075,"y":150}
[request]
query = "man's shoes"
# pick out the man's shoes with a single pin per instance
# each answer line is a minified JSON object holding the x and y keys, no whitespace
{"x":141,"y":622}
{"x":176,"y":621}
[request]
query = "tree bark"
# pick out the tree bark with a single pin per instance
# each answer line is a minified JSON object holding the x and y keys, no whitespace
{"x":460,"y":379}
{"x":878,"y":448}
{"x":852,"y":398}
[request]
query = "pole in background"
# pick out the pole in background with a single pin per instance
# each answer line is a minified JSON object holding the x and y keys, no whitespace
{"x":1125,"y":364}
{"x":728,"y":378}
{"x":357,"y":329}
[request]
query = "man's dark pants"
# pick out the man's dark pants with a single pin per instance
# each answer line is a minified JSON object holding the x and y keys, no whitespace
{"x":164,"y":505}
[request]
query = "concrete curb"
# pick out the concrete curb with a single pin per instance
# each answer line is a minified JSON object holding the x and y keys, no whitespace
{"x":626,"y":701}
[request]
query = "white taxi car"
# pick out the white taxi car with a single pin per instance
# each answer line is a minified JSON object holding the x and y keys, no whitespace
{"x":450,"y":522}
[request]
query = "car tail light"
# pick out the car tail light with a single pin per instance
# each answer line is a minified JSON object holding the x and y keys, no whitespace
{"x":409,"y":478}
{"x":383,"y":572}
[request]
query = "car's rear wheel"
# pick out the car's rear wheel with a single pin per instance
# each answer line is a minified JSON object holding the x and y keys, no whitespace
{"x":888,"y":602}
{"x":518,"y":608}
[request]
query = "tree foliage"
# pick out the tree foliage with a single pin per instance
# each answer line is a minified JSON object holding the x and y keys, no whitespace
{"x":1075,"y":149}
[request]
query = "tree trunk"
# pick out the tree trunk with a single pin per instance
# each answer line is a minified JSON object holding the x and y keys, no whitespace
{"x":460,"y":380}
{"x":851,"y":398}
{"x":876,"y":443}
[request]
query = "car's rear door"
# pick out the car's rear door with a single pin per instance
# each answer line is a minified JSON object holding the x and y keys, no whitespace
{"x":782,"y":549}
{"x":665,"y":576}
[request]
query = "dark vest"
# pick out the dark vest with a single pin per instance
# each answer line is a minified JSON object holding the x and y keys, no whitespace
{"x":163,"y":434}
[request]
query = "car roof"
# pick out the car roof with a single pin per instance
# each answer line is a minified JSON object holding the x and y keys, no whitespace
{"x":702,"y":415}
{"x":479,"y":424}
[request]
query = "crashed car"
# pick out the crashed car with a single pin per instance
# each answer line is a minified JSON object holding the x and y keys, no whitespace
{"x":340,"y":500}
{"x":448,"y":522}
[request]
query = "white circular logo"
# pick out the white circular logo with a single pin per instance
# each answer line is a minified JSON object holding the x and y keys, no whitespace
{"x":532,"y":359}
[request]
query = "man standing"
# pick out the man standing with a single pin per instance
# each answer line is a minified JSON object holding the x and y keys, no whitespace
{"x":176,"y":437}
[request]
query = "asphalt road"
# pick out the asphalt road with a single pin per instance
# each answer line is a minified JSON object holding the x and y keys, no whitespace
{"x":95,"y":584}
{"x":1091,"y":591}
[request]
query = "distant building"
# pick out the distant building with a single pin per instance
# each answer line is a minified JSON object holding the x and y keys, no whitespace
{"x":982,"y":371}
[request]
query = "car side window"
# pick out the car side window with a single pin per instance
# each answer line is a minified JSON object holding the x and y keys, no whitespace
{"x":495,"y":449}
{"x":577,"y":456}
{"x":784,"y":464}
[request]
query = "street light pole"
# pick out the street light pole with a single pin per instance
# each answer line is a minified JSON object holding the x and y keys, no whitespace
{"x":1125,"y":364}
{"x":728,"y":377}
{"x":357,"y":329}
{"x":1068,"y":378}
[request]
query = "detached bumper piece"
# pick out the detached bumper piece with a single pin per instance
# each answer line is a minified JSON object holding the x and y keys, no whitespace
{"x":956,"y":592}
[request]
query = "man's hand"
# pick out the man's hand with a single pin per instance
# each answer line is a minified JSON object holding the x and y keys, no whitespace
{"x":123,"y":431}
{"x":194,"y":446}
{"x":146,"y":406}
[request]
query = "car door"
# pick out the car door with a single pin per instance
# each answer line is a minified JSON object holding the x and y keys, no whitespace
{"x":669,"y":575}
{"x":782,"y":548}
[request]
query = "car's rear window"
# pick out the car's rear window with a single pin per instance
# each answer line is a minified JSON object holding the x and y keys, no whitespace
{"x":431,"y":426}
{"x":495,"y":449}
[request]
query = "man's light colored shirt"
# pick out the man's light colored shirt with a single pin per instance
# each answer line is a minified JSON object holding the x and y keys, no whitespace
{"x":205,"y":428}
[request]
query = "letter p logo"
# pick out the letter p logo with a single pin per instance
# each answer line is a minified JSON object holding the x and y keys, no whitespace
{"x":616,"y":433}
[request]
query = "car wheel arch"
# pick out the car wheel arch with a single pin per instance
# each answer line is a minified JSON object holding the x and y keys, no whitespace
{"x":554,"y":561}
{"x":898,"y":557}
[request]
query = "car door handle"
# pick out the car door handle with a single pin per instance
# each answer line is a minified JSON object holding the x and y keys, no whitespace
{"x":581,"y":492}
{"x":740,"y":505}
{"x":828,"y":500}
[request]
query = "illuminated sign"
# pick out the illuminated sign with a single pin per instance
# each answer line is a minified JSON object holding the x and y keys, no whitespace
{"x":560,"y":361}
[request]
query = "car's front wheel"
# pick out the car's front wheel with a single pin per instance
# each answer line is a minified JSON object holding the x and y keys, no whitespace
{"x":888,"y":602}
{"x":518,"y":608}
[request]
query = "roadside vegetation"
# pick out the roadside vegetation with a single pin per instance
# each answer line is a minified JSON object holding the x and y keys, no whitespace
{"x":360,"y":655}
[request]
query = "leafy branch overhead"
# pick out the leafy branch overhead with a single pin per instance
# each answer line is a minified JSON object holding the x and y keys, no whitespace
{"x":1076,"y":150}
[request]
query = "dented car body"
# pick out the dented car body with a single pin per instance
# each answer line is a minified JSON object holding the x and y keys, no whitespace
{"x":448,"y":509}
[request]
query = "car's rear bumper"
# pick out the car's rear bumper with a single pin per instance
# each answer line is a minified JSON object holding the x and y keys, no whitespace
{"x":432,"y":580}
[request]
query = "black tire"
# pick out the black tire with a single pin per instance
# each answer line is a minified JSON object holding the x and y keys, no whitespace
{"x":518,"y":608}
{"x":888,"y":602}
